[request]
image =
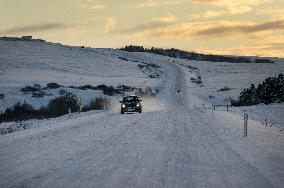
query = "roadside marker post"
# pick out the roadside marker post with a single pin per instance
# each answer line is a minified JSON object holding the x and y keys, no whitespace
{"x":245,"y":125}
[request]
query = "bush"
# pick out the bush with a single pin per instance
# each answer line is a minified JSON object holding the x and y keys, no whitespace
{"x":18,"y":112}
{"x":2,"y":95}
{"x":53,"y":85}
{"x":211,"y":97}
{"x":150,"y":69}
{"x":31,"y":89}
{"x":85,"y":87}
{"x":196,"y":80}
{"x":38,"y":94}
{"x":147,"y":92}
{"x":224,"y":89}
{"x":61,"y":105}
{"x":271,"y":90}
{"x":25,"y":111}
{"x":99,"y":103}
{"x":108,"y":90}
{"x":123,"y":58}
{"x":62,"y":92}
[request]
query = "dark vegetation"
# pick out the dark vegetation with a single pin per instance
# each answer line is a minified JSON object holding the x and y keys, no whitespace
{"x":195,"y":56}
{"x":107,"y":90}
{"x":56,"y":107}
{"x":99,"y":103}
{"x":35,"y":91}
{"x":2,"y":95}
{"x":224,"y":89}
{"x":271,"y":90}
{"x":62,"y":104}
{"x":52,"y":85}
{"x":150,"y":69}
{"x":123,"y":58}
{"x":66,"y":102}
{"x":30,"y":89}
{"x":147,"y":92}
{"x":197,"y":80}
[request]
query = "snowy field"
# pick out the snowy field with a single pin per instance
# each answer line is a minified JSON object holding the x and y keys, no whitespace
{"x":235,"y":76}
{"x":27,"y":63}
{"x":175,"y":142}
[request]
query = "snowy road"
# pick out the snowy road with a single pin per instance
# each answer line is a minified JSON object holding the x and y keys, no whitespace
{"x":173,"y":147}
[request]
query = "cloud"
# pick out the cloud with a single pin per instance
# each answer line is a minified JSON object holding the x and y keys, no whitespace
{"x":156,"y":23}
{"x":35,"y":28}
{"x":231,"y":10}
{"x":222,"y":29}
{"x":170,"y":18}
{"x":209,"y":14}
{"x":226,"y":3}
{"x":239,"y":9}
{"x":110,"y":25}
{"x":264,"y":50}
{"x":227,"y":28}
{"x":91,"y":5}
{"x":156,"y":3}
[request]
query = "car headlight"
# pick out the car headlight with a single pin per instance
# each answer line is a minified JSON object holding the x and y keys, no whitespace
{"x":137,"y":105}
{"x":123,"y":106}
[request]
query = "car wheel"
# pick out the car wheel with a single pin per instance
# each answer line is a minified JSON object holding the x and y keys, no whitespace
{"x":122,"y":112}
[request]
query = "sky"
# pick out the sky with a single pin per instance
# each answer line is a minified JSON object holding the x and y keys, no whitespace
{"x":229,"y":27}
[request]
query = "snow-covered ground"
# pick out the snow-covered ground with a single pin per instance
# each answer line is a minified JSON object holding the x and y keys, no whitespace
{"x":175,"y":142}
{"x":235,"y":76}
{"x":25,"y":63}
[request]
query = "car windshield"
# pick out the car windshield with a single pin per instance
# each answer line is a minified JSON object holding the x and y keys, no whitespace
{"x":130,"y":99}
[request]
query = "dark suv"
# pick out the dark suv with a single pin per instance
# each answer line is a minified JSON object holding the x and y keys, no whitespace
{"x":131,"y":104}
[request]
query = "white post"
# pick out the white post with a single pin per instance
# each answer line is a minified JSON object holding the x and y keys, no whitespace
{"x":69,"y":110}
{"x":245,"y":125}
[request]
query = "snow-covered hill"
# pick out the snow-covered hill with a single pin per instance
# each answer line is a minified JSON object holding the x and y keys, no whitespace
{"x":25,"y":63}
{"x":175,"y":142}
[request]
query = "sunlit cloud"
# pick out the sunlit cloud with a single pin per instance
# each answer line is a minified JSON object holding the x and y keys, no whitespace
{"x":158,"y":22}
{"x":275,"y":11}
{"x":225,"y":11}
{"x":155,"y":3}
{"x":170,"y":18}
{"x":208,"y":14}
{"x":239,"y":9}
{"x":91,"y":5}
{"x":221,"y":29}
{"x":75,"y":31}
{"x":110,"y":25}
{"x":38,"y":27}
{"x":225,"y":3}
{"x":236,"y":29}
{"x":268,"y":50}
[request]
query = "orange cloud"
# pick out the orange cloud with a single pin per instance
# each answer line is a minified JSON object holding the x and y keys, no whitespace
{"x":223,"y":3}
{"x":222,"y":29}
{"x":156,"y":23}
{"x":38,"y":27}
{"x":155,"y":3}
{"x":91,"y":5}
